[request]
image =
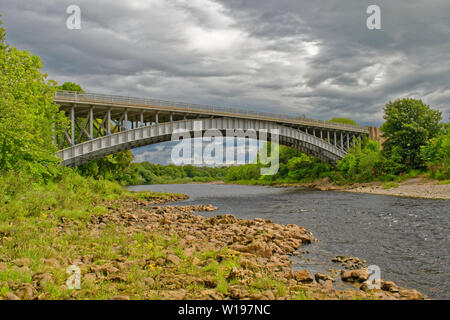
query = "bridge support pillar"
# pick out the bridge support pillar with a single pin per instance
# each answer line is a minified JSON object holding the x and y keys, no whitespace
{"x":108,"y":122}
{"x":91,"y":123}
{"x":72,"y":126}
{"x":125,"y":120}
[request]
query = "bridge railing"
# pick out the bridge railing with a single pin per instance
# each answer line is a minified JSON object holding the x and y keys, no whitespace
{"x":191,"y":106}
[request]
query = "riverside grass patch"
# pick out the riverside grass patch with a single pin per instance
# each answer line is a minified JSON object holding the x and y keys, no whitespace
{"x":44,"y":228}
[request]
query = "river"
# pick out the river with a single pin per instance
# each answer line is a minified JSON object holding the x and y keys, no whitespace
{"x":407,"y":238}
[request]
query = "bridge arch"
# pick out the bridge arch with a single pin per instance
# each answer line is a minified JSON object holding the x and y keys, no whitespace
{"x":125,"y":140}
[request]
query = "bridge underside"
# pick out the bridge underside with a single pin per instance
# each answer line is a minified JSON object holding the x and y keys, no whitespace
{"x":156,"y":133}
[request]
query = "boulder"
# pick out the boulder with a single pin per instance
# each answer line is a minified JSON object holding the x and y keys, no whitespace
{"x":303,"y":276}
{"x":410,"y":294}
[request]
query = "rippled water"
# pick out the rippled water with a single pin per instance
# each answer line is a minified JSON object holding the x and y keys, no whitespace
{"x":408,"y":239}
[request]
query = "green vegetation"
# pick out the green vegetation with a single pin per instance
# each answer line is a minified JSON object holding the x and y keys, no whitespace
{"x":122,"y":170}
{"x":29,"y":119}
{"x":345,"y":121}
{"x":436,"y":154}
{"x":409,"y":125}
{"x":70,"y":86}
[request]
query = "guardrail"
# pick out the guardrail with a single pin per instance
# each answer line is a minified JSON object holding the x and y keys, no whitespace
{"x":192,"y":106}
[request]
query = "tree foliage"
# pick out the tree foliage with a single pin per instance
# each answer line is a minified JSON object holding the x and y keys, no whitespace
{"x":409,"y":125}
{"x":345,"y":121}
{"x":436,"y":154}
{"x":29,"y":119}
{"x":70,"y":86}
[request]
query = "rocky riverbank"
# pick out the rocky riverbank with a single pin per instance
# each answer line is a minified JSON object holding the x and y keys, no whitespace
{"x":412,"y":188}
{"x":142,"y":249}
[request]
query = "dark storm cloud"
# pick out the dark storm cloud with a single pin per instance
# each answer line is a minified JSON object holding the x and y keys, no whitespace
{"x":299,"y":57}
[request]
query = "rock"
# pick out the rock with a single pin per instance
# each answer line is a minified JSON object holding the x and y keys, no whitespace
{"x":89,"y":277}
{"x":360,"y":275}
{"x":160,"y":262}
{"x":11,"y":296}
{"x":3,"y":266}
{"x":189,"y":251}
{"x":256,"y":296}
{"x":327,"y":285}
{"x":25,"y":291}
{"x":243,"y":276}
{"x":389,"y":286}
{"x":177,"y":294}
{"x":23,"y":262}
{"x":196,"y":261}
{"x":149,"y":281}
{"x":269,"y":295}
{"x":410,"y":294}
{"x":42,"y":278}
{"x":322,"y":276}
{"x":120,"y":298}
{"x":260,"y":249}
{"x":173,"y":259}
{"x":303,"y":276}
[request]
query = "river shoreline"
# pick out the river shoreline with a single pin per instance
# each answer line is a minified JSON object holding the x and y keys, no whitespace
{"x":250,"y":250}
{"x":412,"y":188}
{"x":420,"y":188}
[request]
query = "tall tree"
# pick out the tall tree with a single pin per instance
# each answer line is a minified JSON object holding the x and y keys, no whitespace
{"x":29,"y":118}
{"x":409,"y":125}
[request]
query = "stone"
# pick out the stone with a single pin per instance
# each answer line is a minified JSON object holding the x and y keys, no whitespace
{"x":25,"y":291}
{"x":173,"y":259}
{"x":119,"y":297}
{"x":360,"y":275}
{"x":42,"y":278}
{"x":322,"y":276}
{"x":23,"y":262}
{"x":303,"y":276}
{"x":410,"y":294}
{"x":269,"y":295}
{"x":149,"y":281}
{"x":389,"y":286}
{"x":11,"y":296}
{"x":196,"y":261}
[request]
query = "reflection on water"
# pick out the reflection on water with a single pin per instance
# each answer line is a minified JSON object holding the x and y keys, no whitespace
{"x":408,"y":239}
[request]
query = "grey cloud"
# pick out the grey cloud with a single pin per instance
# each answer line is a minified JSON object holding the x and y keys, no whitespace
{"x":288,"y":56}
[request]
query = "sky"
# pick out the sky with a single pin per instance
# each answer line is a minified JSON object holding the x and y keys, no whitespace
{"x":313,"y":58}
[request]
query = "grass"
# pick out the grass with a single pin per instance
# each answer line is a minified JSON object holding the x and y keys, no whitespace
{"x":390,"y":185}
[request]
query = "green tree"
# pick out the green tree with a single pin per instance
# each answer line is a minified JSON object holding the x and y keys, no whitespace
{"x":409,"y":125}
{"x":345,"y":121}
{"x":29,"y":119}
{"x":436,"y":154}
{"x":70,"y":86}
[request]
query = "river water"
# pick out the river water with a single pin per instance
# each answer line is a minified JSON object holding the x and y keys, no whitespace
{"x":408,"y":239}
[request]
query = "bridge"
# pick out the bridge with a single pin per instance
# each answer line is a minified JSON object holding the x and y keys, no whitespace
{"x":101,"y":125}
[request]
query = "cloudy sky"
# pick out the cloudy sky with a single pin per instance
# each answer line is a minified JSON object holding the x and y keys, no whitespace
{"x":296,"y":57}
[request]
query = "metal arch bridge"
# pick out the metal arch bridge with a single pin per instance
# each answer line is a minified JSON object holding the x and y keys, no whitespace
{"x":106,"y":124}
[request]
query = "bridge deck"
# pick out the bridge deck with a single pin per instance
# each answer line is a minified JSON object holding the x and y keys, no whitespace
{"x":86,"y":100}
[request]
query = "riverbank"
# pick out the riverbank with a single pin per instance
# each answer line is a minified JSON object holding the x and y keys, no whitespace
{"x":412,"y":188}
{"x":140,"y":248}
